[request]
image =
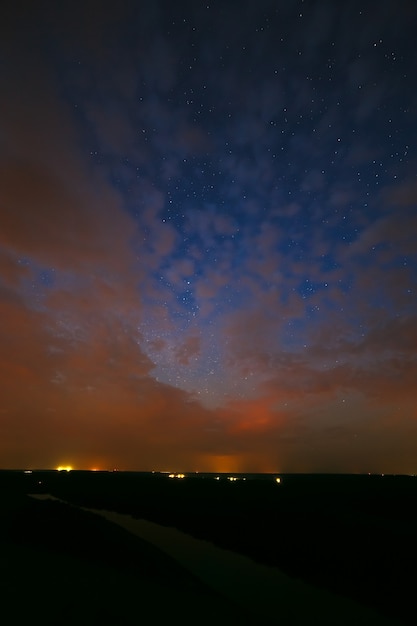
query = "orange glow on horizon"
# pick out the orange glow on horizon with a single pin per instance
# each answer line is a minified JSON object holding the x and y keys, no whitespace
{"x":222,"y":463}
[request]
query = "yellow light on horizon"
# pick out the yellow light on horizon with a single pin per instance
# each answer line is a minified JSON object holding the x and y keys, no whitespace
{"x":278,"y":480}
{"x":64,"y":468}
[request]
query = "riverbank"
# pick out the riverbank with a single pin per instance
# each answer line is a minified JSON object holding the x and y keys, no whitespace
{"x":265,"y":592}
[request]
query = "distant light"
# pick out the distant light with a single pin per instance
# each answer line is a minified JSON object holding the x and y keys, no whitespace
{"x":217,"y":478}
{"x":28,"y":471}
{"x":176,"y":475}
{"x":64,"y":468}
{"x":278,"y":480}
{"x":232,"y":478}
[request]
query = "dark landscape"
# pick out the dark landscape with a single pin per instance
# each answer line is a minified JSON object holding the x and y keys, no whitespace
{"x":351,"y":535}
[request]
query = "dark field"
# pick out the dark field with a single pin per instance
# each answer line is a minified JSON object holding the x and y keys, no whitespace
{"x":351,"y":535}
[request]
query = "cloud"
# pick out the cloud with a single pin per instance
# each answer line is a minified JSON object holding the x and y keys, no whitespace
{"x":189,"y":349}
{"x":55,"y":208}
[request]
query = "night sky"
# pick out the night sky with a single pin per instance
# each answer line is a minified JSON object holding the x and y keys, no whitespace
{"x":208,"y":235}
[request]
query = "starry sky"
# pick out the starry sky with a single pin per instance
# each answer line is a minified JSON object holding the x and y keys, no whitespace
{"x":208,"y":235}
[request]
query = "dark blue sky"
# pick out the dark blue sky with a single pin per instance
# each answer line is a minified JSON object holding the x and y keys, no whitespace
{"x":208,"y":235}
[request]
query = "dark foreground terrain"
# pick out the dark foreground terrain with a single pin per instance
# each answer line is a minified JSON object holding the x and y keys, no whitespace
{"x":353,"y":536}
